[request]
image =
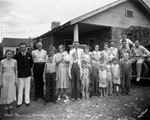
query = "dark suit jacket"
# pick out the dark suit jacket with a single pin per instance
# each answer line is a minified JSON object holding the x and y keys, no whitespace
{"x":24,"y":64}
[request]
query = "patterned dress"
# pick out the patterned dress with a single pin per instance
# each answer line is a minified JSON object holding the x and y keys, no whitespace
{"x":96,"y":56}
{"x":8,"y":91}
{"x":62,"y":71}
{"x":116,"y":73}
{"x":87,"y":58}
{"x":106,"y":54}
{"x":102,"y":78}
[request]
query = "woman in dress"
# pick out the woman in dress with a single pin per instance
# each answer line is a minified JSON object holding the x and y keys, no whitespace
{"x":86,"y":56}
{"x":106,"y":55}
{"x":96,"y":55}
{"x":62,"y":77}
{"x":8,"y":80}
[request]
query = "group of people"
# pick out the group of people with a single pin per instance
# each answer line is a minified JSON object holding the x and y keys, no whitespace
{"x":82,"y":72}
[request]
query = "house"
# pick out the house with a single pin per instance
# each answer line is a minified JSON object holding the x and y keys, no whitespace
{"x":99,"y":26}
{"x":13,"y":44}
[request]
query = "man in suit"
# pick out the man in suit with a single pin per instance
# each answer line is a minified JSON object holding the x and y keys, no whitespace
{"x":24,"y":64}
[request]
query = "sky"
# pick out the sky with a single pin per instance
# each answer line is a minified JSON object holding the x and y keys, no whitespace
{"x":32,"y":18}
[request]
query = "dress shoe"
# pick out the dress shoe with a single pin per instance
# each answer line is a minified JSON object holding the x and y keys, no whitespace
{"x":123,"y":94}
{"x":44,"y":103}
{"x":42,"y":98}
{"x":35,"y":99}
{"x":138,"y":79}
{"x":54,"y":101}
{"x":129,"y":94}
{"x":17,"y":106}
{"x":27,"y":104}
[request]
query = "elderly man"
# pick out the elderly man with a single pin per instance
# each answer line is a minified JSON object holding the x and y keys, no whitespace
{"x":128,"y":41}
{"x":139,"y":54}
{"x":39,"y":58}
{"x":76,"y":49}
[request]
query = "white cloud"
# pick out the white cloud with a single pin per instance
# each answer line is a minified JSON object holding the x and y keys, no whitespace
{"x":31,"y":18}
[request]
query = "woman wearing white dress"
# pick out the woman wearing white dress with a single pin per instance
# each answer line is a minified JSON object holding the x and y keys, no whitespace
{"x":8,"y":80}
{"x":106,"y":55}
{"x":62,"y":75}
{"x":95,"y":55}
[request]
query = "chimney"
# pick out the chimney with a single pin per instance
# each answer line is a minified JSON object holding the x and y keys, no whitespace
{"x":55,"y":24}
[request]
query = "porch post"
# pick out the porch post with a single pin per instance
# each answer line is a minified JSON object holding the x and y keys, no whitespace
{"x":76,"y":33}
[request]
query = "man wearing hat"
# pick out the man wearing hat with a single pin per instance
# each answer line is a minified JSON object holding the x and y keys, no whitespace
{"x":76,"y":49}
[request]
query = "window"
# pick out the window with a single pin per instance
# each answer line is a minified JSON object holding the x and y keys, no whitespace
{"x":129,"y":13}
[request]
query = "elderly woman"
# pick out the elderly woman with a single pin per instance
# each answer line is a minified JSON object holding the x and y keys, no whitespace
{"x":62,"y":77}
{"x":8,"y":80}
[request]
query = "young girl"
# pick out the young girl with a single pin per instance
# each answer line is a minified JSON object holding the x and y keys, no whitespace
{"x":126,"y":74}
{"x":75,"y":73}
{"x":115,"y":70}
{"x":85,"y":80}
{"x":49,"y":77}
{"x":109,"y":80}
{"x":102,"y":80}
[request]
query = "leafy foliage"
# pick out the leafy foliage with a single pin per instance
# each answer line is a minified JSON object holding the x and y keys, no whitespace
{"x":139,"y":33}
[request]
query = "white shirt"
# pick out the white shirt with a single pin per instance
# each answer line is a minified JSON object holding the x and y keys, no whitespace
{"x":39,"y":56}
{"x":113,"y":53}
{"x":129,"y":42}
{"x":79,"y":52}
{"x":140,"y":51}
{"x":51,"y":66}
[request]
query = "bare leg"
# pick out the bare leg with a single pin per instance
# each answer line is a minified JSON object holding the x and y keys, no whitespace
{"x":87,"y":88}
{"x":139,"y":68}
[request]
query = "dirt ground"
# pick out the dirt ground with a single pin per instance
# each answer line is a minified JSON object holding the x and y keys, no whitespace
{"x":106,"y":108}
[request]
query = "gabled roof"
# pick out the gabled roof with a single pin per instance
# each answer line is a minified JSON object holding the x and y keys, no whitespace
{"x":99,"y":10}
{"x":94,"y":12}
{"x":14,"y":42}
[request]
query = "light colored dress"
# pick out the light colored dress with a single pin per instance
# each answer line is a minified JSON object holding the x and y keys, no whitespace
{"x":102,"y":78}
{"x":113,"y":53}
{"x":115,"y":69}
{"x":8,"y":91}
{"x":62,"y":71}
{"x":96,"y":56}
{"x":87,"y":58}
{"x":106,"y":54}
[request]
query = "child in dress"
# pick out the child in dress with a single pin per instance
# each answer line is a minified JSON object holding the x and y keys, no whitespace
{"x":75,"y":73}
{"x":126,"y":74}
{"x":115,"y":70}
{"x":49,"y":77}
{"x":85,"y":80}
{"x":102,"y":80}
{"x":109,"y":80}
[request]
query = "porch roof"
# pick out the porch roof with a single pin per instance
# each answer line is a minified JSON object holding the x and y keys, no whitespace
{"x":68,"y":27}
